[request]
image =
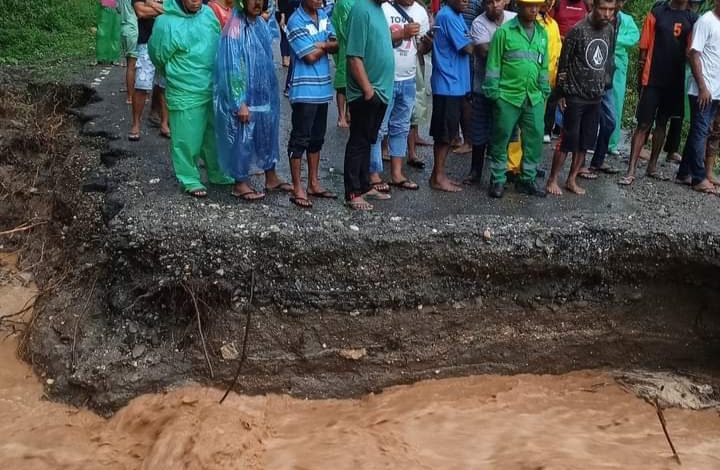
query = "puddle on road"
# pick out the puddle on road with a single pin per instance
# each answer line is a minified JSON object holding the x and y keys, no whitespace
{"x":577,"y":420}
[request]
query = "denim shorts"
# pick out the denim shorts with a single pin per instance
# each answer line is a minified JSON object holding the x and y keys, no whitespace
{"x":145,"y":76}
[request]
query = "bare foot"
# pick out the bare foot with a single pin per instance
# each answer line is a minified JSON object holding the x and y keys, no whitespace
{"x":574,"y":188}
{"x":444,"y":185}
{"x":464,"y":148}
{"x":552,"y":188}
{"x":273,"y":181}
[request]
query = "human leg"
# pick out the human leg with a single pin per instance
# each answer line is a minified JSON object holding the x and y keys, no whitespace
{"x":376,"y":152}
{"x":505,"y":118}
{"x":569,"y":143}
{"x":531,"y":126}
{"x":342,"y":106}
{"x":466,"y":107}
{"x":672,"y":140}
{"x":317,"y":139}
{"x":587,"y":139}
{"x":130,"y":79}
{"x":399,"y":127}
{"x":607,"y":126}
{"x":209,"y":153}
{"x":647,"y":108}
{"x":186,"y":145}
{"x":693,"y":161}
{"x":363,"y":132}
{"x":444,"y":128}
{"x":144,"y":79}
{"x":711,"y":149}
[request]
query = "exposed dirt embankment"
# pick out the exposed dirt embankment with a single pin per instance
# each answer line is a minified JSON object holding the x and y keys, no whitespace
{"x":156,"y":287}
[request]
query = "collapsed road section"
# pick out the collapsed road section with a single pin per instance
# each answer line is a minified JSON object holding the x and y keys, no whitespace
{"x":156,"y":287}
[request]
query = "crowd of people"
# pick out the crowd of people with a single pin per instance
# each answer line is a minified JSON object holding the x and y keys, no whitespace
{"x":507,"y":77}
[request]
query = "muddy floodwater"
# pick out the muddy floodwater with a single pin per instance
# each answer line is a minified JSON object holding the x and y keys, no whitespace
{"x":578,"y":420}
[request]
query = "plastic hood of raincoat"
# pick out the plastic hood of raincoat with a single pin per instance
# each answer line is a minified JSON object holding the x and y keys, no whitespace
{"x":183,"y":47}
{"x":272,"y":22}
{"x":245,"y":74}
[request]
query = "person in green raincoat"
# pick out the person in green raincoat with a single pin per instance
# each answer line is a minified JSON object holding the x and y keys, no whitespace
{"x":627,"y":37}
{"x":107,"y":38}
{"x":339,"y":21}
{"x":183,"y":48}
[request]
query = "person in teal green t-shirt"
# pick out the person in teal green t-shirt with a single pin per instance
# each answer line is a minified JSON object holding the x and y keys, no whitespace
{"x":371,"y":74}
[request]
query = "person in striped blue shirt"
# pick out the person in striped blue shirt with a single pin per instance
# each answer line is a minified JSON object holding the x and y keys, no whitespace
{"x":312,"y":38}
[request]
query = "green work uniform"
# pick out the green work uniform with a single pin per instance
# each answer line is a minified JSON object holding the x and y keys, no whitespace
{"x":340,"y":15}
{"x":627,"y":37}
{"x":368,"y":37}
{"x":516,"y":79}
{"x":183,"y":48}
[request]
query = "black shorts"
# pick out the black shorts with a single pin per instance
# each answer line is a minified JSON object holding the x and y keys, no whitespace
{"x":580,"y":126}
{"x":658,"y":105}
{"x":309,"y":121}
{"x":445,"y":121}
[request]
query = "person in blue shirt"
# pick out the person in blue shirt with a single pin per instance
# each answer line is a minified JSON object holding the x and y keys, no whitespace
{"x":450,"y":82}
{"x":312,"y":38}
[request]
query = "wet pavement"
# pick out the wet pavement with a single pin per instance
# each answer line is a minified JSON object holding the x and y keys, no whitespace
{"x":603,"y":197}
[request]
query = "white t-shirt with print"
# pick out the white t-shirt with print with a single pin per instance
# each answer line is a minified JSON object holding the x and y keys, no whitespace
{"x":706,"y":40}
{"x":406,"y":52}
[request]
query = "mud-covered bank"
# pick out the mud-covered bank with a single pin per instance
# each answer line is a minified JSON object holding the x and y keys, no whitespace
{"x":348,"y":303}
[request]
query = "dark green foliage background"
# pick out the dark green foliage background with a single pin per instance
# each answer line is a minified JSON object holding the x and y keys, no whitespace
{"x":36,"y":32}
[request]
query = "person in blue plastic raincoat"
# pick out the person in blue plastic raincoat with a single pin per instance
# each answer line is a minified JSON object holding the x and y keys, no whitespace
{"x":628,"y":36}
{"x":247,"y":101}
{"x":183,"y":47}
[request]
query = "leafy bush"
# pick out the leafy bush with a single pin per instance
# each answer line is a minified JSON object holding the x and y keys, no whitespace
{"x":51,"y":30}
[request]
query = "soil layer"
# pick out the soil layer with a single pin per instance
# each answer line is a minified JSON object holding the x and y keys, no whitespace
{"x":342,"y":304}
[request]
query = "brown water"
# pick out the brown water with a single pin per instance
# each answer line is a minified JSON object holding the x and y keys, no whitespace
{"x":579,"y":420}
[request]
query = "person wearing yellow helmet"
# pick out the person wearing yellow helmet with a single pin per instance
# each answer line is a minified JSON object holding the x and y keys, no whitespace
{"x":516,"y":80}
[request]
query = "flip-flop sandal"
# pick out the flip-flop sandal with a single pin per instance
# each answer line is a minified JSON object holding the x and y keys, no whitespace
{"x":301,"y":202}
{"x":657,"y":176}
{"x":165,"y":135}
{"x":705,"y":188}
{"x":674,"y":158}
{"x":132,"y":137}
{"x":626,"y":180}
{"x":405,"y":184}
{"x":607,"y":169}
{"x":419,"y":164}
{"x":359,"y":205}
{"x":284,"y":186}
{"x":588,"y":175}
{"x":246,"y":196}
{"x":381,"y":187}
{"x":323,"y":194}
{"x":198,"y":192}
{"x":377,"y":195}
{"x":684,"y":182}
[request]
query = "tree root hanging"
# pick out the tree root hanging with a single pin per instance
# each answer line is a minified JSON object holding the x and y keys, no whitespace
{"x":200,"y":330}
{"x":243,"y":354}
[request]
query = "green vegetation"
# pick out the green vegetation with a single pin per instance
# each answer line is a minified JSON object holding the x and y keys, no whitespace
{"x":51,"y":38}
